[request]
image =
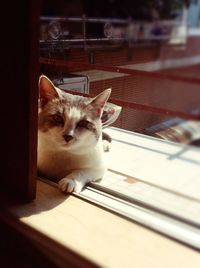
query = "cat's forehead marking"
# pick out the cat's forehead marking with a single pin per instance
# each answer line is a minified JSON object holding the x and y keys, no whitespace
{"x":74,"y":99}
{"x":70,"y":106}
{"x":74,"y":106}
{"x":74,"y":112}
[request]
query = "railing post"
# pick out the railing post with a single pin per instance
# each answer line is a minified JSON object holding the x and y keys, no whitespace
{"x":84,"y":31}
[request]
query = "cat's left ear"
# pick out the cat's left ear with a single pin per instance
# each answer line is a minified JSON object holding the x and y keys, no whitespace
{"x":110,"y":114}
{"x":99,"y":102}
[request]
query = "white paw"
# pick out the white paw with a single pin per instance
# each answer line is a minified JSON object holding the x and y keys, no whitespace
{"x":69,"y":185}
{"x":106,"y":146}
{"x":66,"y":185}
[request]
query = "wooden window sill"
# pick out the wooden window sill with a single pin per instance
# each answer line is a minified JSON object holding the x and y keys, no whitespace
{"x":73,"y":228}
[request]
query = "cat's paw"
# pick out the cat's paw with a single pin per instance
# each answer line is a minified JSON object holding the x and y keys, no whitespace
{"x":106,"y":146}
{"x":66,"y":185}
{"x":69,"y":185}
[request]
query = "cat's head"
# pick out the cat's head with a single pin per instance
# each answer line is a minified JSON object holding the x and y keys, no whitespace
{"x":67,"y":120}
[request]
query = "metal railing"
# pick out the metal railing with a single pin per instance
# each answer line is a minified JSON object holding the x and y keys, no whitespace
{"x":115,"y":31}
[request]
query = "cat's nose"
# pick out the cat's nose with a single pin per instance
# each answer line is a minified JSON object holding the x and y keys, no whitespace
{"x":67,"y":138}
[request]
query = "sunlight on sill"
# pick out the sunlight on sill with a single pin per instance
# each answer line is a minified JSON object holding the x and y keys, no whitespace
{"x":172,"y":166}
{"x":71,"y":223}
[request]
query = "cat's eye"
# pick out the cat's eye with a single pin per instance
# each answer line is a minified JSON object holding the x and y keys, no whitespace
{"x":84,"y":124}
{"x":58,"y":119}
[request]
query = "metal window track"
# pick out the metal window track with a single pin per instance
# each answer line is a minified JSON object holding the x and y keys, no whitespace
{"x":169,"y":226}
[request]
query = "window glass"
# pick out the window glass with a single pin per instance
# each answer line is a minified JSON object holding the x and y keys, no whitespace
{"x":148,"y":52}
{"x":154,"y":43}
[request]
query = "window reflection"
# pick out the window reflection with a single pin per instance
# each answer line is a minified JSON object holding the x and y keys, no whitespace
{"x":153,"y":37}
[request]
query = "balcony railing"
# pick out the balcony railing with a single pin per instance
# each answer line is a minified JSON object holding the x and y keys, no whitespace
{"x":111,"y":31}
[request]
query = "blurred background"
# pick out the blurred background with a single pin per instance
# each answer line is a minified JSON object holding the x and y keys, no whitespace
{"x":148,"y":51}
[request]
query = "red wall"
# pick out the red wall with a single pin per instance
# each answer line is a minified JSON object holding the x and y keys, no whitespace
{"x":180,"y":96}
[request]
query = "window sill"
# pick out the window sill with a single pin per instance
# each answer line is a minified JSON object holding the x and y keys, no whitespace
{"x":73,"y":228}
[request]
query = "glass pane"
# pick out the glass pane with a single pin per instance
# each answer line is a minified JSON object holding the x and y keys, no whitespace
{"x":155,"y":44}
{"x":148,"y":52}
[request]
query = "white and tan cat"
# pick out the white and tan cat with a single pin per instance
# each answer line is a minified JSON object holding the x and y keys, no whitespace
{"x":70,"y":147}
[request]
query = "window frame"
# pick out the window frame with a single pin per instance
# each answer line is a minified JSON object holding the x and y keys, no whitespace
{"x":20,"y":98}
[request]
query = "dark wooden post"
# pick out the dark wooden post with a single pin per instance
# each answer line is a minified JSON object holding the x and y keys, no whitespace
{"x":19,"y":96}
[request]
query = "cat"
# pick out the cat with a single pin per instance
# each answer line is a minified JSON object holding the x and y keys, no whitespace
{"x":70,"y":148}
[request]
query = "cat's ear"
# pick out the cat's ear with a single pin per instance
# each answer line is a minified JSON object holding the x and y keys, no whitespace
{"x":110,"y":114}
{"x":47,"y":90}
{"x":99,"y":102}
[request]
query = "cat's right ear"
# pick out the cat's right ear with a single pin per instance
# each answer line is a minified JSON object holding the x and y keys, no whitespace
{"x":47,"y":90}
